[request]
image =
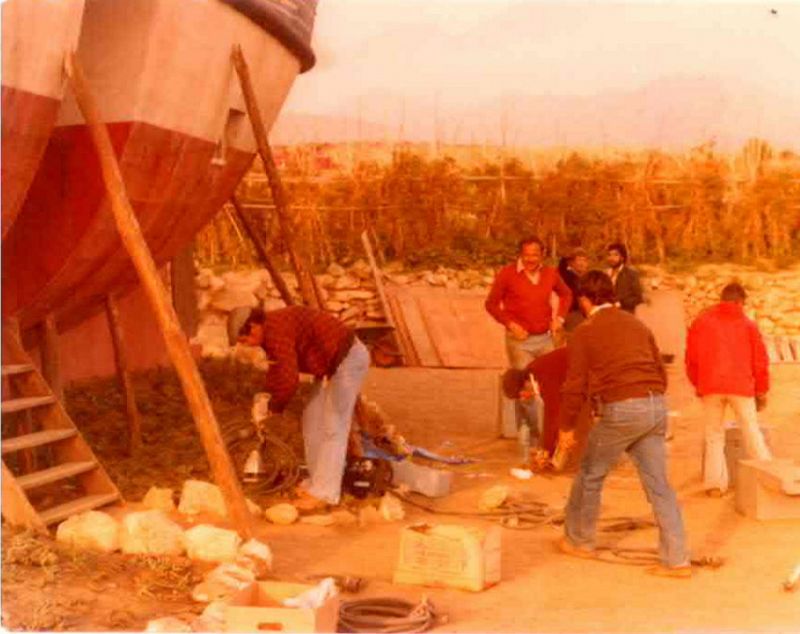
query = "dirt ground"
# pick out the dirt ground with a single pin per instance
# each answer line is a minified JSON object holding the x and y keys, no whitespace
{"x":541,"y":590}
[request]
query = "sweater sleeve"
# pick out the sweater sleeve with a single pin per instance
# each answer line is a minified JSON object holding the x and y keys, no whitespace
{"x":760,"y":361}
{"x":575,"y":390}
{"x":564,"y":295}
{"x":494,"y":302}
{"x":283,"y":376}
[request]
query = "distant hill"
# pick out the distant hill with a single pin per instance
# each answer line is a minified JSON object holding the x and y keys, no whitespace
{"x":670,"y":113}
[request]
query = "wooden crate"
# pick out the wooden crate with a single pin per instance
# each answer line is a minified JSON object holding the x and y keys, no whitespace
{"x":768,"y":489}
{"x":258,"y":608}
{"x":449,"y":555}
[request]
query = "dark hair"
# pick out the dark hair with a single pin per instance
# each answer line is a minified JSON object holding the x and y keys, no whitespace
{"x":733,"y":292}
{"x":513,"y":382}
{"x":256,"y":316}
{"x":597,"y":287}
{"x":530,"y":240}
{"x":619,"y":248}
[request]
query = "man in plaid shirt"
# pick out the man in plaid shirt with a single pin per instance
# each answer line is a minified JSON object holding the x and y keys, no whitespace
{"x":300,"y":339}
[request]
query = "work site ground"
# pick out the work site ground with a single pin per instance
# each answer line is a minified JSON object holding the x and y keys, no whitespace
{"x":452,"y":412}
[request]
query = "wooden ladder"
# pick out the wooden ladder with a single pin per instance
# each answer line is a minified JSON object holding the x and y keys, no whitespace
{"x":45,"y":457}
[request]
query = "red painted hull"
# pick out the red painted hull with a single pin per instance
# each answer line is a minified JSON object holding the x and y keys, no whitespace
{"x":174,"y":189}
{"x":28,"y":120}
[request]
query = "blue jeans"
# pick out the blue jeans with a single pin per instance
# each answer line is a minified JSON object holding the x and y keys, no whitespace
{"x":637,"y":426}
{"x":326,"y":424}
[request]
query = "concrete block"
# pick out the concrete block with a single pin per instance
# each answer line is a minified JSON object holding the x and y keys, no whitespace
{"x":432,"y":482}
{"x":768,"y":490}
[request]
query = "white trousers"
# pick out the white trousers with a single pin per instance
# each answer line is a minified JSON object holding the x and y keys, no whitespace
{"x":715,"y":471}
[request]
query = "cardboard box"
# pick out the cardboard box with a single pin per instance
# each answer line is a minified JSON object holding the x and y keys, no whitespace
{"x":258,"y":608}
{"x":768,"y":489}
{"x":449,"y":555}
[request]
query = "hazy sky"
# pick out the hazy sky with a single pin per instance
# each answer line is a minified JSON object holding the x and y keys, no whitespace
{"x":461,"y":51}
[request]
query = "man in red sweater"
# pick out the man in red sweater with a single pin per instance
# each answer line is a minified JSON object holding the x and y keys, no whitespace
{"x":520,"y":300}
{"x":727,"y":363}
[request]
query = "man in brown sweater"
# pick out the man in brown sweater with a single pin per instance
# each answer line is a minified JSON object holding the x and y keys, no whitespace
{"x":614,"y":361}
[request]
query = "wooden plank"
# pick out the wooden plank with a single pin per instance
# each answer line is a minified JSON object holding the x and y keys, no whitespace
{"x":403,"y":337}
{"x":63,"y":511}
{"x":28,"y":402}
{"x":417,"y":331}
{"x":378,"y":276}
{"x":51,"y":357}
{"x":36,"y":439}
{"x":124,"y":376}
{"x":176,"y":342}
{"x":184,"y":295}
{"x":19,"y":368}
{"x":17,"y":509}
{"x":53,"y":474}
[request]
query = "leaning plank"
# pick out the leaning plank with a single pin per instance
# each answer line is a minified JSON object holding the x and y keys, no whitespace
{"x":63,"y":511}
{"x":17,"y":510}
{"x":28,"y":402}
{"x":174,"y":338}
{"x":36,"y":439}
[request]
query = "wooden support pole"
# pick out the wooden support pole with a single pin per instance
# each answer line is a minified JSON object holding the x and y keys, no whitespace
{"x":304,"y":278}
{"x":51,"y":357}
{"x":176,"y":342}
{"x":274,"y":273}
{"x":376,"y":273}
{"x":124,"y":376}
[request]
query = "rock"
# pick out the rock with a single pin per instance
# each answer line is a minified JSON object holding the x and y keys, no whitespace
{"x":254,"y":508}
{"x":226,"y":299}
{"x":203,"y":279}
{"x":202,"y":497}
{"x":92,"y":530}
{"x":273,"y":303}
{"x":215,"y":283}
{"x":343,"y":517}
{"x":493,"y":497}
{"x":391,"y":508}
{"x":168,"y":624}
{"x":283,"y":514}
{"x":318,"y":520}
{"x":335,"y":306}
{"x":150,"y":533}
{"x":209,"y":543}
{"x":336,"y":270}
{"x":402,"y":280}
{"x":256,"y":556}
{"x":349,"y":296}
{"x":346,"y":282}
{"x":160,"y":499}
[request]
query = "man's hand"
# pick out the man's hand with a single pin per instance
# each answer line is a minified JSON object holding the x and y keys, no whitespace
{"x":566,"y":439}
{"x":517,"y":331}
{"x":556,"y":325}
{"x":761,"y":402}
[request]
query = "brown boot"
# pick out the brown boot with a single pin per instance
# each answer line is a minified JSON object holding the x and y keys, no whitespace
{"x":715,"y":493}
{"x":568,"y":548}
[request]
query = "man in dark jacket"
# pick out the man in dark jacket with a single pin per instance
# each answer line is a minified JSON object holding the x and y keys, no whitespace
{"x":727,"y":363}
{"x":299,"y":339}
{"x":627,"y":286}
{"x":614,"y":360}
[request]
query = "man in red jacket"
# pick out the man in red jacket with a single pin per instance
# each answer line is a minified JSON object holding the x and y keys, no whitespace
{"x":727,"y":363}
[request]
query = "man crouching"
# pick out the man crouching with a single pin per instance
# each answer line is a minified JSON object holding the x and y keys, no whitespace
{"x":613,"y":359}
{"x":300,"y":339}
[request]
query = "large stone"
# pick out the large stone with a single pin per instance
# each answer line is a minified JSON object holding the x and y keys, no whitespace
{"x":209,"y":543}
{"x":150,"y":533}
{"x":202,"y":497}
{"x":283,"y":514}
{"x":159,"y":499}
{"x":346,"y":282}
{"x":349,"y":296}
{"x":274,"y":303}
{"x":92,"y":530}
{"x":336,"y":270}
{"x":255,"y":556}
{"x":228,"y":298}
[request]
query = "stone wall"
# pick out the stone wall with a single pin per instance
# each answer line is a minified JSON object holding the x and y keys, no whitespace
{"x":350,"y":293}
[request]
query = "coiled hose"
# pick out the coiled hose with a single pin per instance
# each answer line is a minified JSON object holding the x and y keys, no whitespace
{"x":386,"y":614}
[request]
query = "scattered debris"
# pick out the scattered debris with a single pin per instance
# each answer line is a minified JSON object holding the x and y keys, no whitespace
{"x":283,"y":514}
{"x":92,"y":530}
{"x":168,"y":624}
{"x":343,"y":517}
{"x":202,"y":497}
{"x":222,"y":583}
{"x":493,"y":498}
{"x":209,"y":543}
{"x":256,"y":556}
{"x":391,"y":508}
{"x":314,"y":597}
{"x":521,"y":474}
{"x":151,"y":533}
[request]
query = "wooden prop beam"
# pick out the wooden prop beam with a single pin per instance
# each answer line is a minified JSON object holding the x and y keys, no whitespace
{"x":51,"y":357}
{"x":376,"y":273}
{"x":124,"y":376}
{"x":276,"y":276}
{"x":177,"y":345}
{"x":304,"y":278}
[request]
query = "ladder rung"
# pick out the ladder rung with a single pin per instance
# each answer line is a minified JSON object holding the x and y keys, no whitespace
{"x":63,"y":511}
{"x":29,"y":402}
{"x":53,"y":474}
{"x":36,"y":439}
{"x":18,"y":368}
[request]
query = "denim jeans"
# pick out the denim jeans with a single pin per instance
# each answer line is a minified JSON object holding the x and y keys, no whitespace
{"x":715,"y":468}
{"x":637,"y":426}
{"x":326,"y":424}
{"x":520,"y":353}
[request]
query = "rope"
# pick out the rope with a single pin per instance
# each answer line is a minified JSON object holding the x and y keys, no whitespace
{"x":386,"y":614}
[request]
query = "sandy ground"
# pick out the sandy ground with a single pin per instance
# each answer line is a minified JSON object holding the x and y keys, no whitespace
{"x":541,"y":590}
